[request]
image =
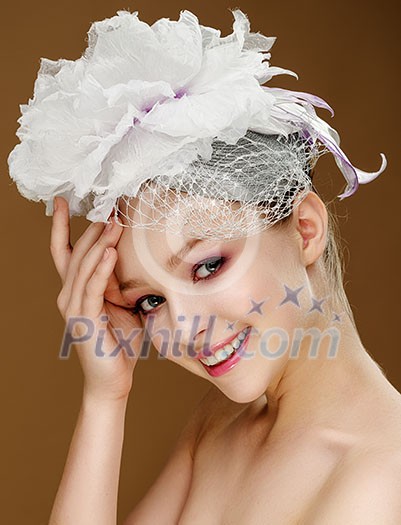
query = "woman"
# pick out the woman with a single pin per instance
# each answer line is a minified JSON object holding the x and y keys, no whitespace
{"x":294,"y":394}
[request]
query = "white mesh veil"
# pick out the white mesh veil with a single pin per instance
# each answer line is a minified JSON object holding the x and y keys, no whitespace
{"x":243,"y":189}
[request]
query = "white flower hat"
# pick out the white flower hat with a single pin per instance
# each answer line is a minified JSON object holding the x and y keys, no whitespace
{"x":145,"y":101}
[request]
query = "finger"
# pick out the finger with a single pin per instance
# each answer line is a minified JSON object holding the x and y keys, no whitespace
{"x":113,"y":293}
{"x":60,"y":246}
{"x":90,"y":262}
{"x":93,"y":296}
{"x":80,"y":250}
{"x":94,"y":302}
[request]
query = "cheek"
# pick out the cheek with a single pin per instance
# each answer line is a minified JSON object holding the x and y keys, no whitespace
{"x":258,"y":300}
{"x":258,"y":287}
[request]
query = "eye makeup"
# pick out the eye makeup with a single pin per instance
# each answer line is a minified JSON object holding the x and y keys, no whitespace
{"x":210,"y":266}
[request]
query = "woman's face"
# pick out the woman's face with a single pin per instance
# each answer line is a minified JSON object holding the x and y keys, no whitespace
{"x":193,"y":295}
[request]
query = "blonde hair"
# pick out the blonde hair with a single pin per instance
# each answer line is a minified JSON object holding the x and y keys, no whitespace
{"x":333,"y":262}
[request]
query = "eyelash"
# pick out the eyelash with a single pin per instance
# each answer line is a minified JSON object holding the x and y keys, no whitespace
{"x":138,"y":309}
{"x":220,"y":260}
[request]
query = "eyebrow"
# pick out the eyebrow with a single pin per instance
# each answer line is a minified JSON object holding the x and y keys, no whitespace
{"x":171,"y":264}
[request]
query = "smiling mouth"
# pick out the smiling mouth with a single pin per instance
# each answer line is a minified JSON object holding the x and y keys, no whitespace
{"x":223,"y":354}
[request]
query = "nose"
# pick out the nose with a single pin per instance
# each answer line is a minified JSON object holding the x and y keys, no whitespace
{"x":192,"y":326}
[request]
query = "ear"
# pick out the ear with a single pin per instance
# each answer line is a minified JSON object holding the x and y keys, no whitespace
{"x":310,"y":220}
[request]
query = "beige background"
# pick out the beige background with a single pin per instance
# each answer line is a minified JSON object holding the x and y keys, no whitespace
{"x":345,"y":51}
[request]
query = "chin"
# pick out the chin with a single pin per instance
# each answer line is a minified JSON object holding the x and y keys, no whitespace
{"x":246,"y":392}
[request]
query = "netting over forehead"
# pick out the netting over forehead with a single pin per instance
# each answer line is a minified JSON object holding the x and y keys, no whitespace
{"x":243,"y":189}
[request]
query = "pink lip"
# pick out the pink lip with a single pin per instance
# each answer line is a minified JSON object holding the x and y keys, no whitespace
{"x":225,"y":366}
{"x":213,"y":349}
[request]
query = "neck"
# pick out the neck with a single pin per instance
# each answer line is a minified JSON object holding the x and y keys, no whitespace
{"x":323,"y":391}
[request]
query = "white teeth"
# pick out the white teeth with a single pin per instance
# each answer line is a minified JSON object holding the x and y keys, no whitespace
{"x":220,"y":355}
{"x":225,"y":352}
{"x":242,"y":336}
{"x":236,"y":343}
{"x":210,"y":360}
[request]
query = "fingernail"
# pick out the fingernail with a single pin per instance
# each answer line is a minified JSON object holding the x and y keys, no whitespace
{"x":55,"y":204}
{"x":109,"y":226}
{"x":106,"y":253}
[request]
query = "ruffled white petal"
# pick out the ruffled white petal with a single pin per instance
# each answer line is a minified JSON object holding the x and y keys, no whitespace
{"x":145,"y":100}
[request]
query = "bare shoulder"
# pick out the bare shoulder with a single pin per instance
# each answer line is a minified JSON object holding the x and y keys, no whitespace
{"x":364,"y":488}
{"x":165,"y":499}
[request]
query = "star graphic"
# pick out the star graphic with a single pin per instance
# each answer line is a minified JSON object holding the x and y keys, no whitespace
{"x":256,"y":307}
{"x":316,"y":305}
{"x":291,"y":295}
{"x":336,"y":317}
{"x":230,"y":326}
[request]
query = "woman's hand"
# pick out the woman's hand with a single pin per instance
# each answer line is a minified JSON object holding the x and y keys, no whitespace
{"x":85,"y":276}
